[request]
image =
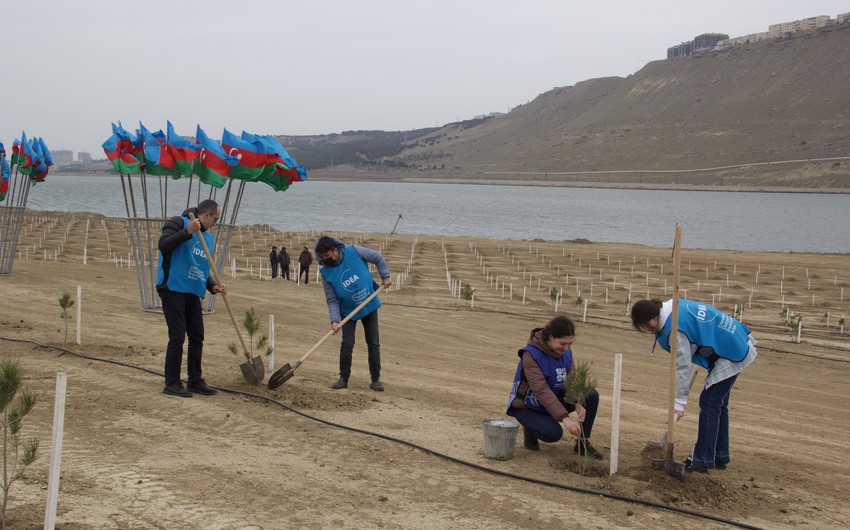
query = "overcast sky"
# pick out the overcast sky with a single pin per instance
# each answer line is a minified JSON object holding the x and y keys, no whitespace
{"x":314,"y":66}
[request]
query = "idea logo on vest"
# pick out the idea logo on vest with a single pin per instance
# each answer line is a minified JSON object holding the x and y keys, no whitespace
{"x":349,"y":280}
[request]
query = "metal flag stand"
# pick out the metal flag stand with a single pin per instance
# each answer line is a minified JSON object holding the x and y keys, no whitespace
{"x":146,"y":204}
{"x":12,"y":218}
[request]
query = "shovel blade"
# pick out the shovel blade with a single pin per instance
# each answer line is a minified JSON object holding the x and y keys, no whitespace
{"x":671,"y":467}
{"x":253,"y":371}
{"x":281,"y":376}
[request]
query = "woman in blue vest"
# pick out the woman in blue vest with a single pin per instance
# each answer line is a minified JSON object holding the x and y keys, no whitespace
{"x":537,"y":395}
{"x":717,"y":342}
{"x":347,"y":282}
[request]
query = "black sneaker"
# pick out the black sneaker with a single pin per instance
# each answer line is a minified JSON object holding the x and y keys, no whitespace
{"x":377,"y":386}
{"x":691,"y":468}
{"x":342,"y":383}
{"x":200,"y":387}
{"x":719,"y":466}
{"x":176,"y":389}
{"x":589,"y":450}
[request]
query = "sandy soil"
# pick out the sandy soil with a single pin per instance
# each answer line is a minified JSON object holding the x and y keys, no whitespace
{"x":304,"y":456}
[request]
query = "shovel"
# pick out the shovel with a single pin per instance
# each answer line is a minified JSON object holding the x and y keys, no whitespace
{"x":253,"y":371}
{"x":663,"y":443}
{"x":673,"y":468}
{"x":286,"y":372}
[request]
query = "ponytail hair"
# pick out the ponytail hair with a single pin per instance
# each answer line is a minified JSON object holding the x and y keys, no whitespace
{"x":645,"y":310}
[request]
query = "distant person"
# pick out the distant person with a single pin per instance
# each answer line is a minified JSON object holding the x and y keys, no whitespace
{"x":283,"y":259}
{"x":711,"y":339}
{"x":305,"y":259}
{"x":537,"y":397}
{"x":273,"y":260}
{"x":183,"y":278}
{"x":347,"y":282}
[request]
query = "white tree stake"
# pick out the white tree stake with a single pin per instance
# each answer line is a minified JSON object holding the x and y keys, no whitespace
{"x":615,"y":413}
{"x":271,"y":343}
{"x":79,"y":310}
{"x":55,"y":452}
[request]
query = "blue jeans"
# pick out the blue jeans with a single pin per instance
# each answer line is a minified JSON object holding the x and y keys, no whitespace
{"x":712,"y":445}
{"x":544,"y":426}
{"x":370,"y":329}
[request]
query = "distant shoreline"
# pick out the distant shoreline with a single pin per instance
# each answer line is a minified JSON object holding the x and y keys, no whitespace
{"x":667,"y":186}
{"x":601,"y":185}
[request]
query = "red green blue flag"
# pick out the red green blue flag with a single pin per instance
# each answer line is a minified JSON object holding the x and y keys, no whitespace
{"x":182,"y":151}
{"x":157,"y":159}
{"x":16,"y":152}
{"x":122,"y":161}
{"x":283,"y":169}
{"x":5,"y":173}
{"x":213,"y":164}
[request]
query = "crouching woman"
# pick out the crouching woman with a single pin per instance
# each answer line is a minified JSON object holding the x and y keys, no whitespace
{"x":537,"y":395}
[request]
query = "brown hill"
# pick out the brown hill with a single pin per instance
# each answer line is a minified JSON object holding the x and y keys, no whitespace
{"x":770,"y":107}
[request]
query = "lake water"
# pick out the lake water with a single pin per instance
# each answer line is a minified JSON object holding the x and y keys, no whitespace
{"x":795,"y":222}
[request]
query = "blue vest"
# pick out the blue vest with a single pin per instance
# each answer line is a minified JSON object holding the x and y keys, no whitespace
{"x":352,"y":282}
{"x":554,"y":370}
{"x":707,"y":326}
{"x":189,"y":266}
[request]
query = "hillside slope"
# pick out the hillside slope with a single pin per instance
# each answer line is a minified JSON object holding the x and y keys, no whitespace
{"x":769,"y":101}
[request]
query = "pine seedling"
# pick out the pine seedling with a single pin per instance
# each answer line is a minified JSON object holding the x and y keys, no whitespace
{"x":66,"y":303}
{"x":467,"y":291}
{"x":251,"y":323}
{"x":578,"y":384}
{"x":18,"y":454}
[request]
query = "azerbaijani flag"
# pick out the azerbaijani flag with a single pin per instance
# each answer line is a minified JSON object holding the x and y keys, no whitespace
{"x":285,"y":164}
{"x":213,"y":164}
{"x":182,"y":151}
{"x":16,"y":152}
{"x":28,"y":156}
{"x":158,"y":161}
{"x":39,"y":162}
{"x":285,"y":169}
{"x":5,"y":173}
{"x":127,"y":141}
{"x":252,"y":163}
{"x":48,"y":159}
{"x":123,"y":161}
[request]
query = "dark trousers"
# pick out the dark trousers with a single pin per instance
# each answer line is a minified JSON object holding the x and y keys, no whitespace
{"x":274,"y":269}
{"x":184,"y":318}
{"x":370,"y":329}
{"x":712,"y":445}
{"x":284,"y":271}
{"x":546,"y":429}
{"x":305,"y":271}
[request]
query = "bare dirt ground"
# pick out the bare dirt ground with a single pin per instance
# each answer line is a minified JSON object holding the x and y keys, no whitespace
{"x":305,"y":456}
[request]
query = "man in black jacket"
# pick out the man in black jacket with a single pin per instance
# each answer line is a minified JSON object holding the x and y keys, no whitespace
{"x":183,"y":278}
{"x":284,"y":260}
{"x":273,"y":261}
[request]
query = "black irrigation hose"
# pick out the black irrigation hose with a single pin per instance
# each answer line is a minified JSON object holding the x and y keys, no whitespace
{"x":424,"y":449}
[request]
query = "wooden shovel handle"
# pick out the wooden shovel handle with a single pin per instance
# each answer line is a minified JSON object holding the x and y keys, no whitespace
{"x":674,"y":336}
{"x":223,"y":295}
{"x":344,"y":320}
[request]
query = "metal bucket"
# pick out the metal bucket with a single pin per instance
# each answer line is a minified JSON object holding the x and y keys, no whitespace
{"x":499,"y":438}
